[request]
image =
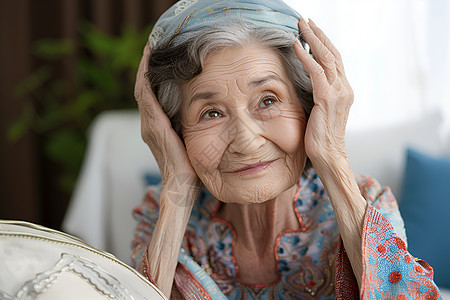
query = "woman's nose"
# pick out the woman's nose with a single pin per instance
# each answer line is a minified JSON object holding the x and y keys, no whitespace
{"x":244,"y":135}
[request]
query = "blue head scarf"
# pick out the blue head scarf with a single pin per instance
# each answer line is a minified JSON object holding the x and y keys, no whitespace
{"x":187,"y":16}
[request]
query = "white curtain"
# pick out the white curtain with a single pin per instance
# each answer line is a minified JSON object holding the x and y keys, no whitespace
{"x":396,"y":54}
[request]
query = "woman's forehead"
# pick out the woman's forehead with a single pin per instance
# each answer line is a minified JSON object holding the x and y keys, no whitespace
{"x":249,"y":65}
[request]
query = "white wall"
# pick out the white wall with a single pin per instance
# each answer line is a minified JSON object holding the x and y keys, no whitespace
{"x":396,"y":54}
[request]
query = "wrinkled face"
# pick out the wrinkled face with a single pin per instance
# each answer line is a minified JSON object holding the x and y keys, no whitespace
{"x":243,"y":125}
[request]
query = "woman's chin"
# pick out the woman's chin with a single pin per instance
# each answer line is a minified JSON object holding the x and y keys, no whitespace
{"x":249,"y":193}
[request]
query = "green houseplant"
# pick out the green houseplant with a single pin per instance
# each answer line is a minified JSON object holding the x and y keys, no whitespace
{"x":59,"y":110}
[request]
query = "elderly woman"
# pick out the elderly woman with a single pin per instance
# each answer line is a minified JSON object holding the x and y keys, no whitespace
{"x":257,"y":198}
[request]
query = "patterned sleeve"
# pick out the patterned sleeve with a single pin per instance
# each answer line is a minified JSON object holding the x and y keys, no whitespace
{"x":389,"y":270}
{"x":146,"y":216}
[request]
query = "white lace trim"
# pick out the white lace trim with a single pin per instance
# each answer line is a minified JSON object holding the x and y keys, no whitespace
{"x":183,"y":5}
{"x":155,"y":36}
{"x":97,"y":278}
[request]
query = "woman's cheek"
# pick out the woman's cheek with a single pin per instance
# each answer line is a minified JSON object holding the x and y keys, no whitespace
{"x":204,"y":150}
{"x":286,"y":131}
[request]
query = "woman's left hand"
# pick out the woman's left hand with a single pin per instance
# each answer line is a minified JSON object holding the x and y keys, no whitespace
{"x":325,"y":137}
{"x":333,"y":96}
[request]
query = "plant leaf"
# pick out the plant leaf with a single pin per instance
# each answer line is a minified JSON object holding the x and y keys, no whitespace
{"x":33,"y":82}
{"x":83,"y":103}
{"x":51,"y":49}
{"x":18,"y":128}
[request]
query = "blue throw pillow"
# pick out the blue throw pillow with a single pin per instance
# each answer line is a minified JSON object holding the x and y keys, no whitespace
{"x":425,"y":207}
{"x":151,"y":179}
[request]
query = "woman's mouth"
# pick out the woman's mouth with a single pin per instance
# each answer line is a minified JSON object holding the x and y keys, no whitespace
{"x":254,"y":168}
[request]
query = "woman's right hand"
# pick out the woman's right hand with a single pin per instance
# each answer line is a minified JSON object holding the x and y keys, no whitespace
{"x":157,"y":132}
{"x":180,"y":182}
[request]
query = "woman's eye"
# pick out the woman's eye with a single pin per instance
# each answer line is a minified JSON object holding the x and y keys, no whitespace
{"x":211,"y":114}
{"x":267,"y":101}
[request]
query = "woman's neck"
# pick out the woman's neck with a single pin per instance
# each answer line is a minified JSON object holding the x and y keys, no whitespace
{"x":257,"y":227}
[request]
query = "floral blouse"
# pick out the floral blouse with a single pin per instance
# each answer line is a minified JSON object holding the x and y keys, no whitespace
{"x":312,"y":262}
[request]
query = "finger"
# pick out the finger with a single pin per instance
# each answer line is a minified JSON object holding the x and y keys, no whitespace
{"x":142,"y":69}
{"x":148,"y":104}
{"x":329,"y":45}
{"x":143,"y":91}
{"x":150,"y":109}
{"x":315,"y":71}
{"x":321,"y":53}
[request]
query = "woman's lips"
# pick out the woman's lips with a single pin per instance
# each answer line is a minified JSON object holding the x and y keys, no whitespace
{"x":254,"y":168}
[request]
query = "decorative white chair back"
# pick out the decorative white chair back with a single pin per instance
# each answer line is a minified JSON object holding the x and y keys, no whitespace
{"x":41,"y":263}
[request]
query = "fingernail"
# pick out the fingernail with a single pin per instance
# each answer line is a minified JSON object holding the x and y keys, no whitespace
{"x":311,"y":22}
{"x":304,"y":23}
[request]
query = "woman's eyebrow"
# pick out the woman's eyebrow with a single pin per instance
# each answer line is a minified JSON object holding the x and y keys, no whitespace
{"x":265,"y":79}
{"x":253,"y":83}
{"x":202,"y":95}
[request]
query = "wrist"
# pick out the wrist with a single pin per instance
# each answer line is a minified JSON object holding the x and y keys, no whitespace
{"x":328,"y":162}
{"x":337,"y":175}
{"x":177,"y":199}
{"x":180,"y":190}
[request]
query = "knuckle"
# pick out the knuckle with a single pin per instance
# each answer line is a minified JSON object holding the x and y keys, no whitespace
{"x":145,"y":136}
{"x":331,"y":79}
{"x":351,"y":92}
{"x":307,"y":32}
{"x":340,"y":67}
{"x":351,"y":97}
{"x":329,"y":58}
{"x":136,"y":95}
{"x":346,"y":96}
{"x":335,"y":52}
{"x":318,"y":71}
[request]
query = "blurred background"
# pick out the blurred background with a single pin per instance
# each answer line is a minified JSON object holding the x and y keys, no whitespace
{"x":71,"y":156}
{"x":396,"y":55}
{"x":61,"y":63}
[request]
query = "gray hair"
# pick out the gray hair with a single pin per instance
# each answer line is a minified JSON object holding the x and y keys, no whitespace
{"x":174,"y":63}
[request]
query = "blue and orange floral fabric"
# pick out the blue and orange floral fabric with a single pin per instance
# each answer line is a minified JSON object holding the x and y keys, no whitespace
{"x":312,"y":262}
